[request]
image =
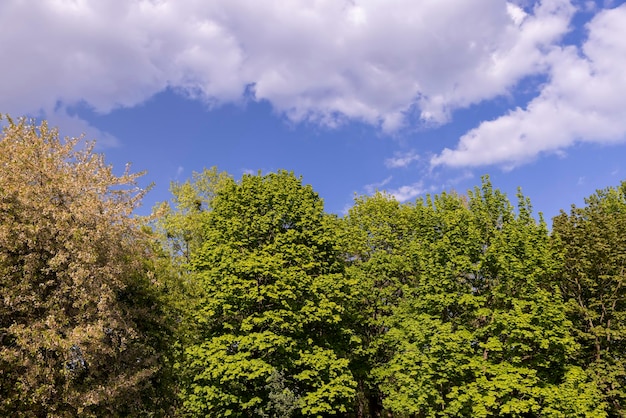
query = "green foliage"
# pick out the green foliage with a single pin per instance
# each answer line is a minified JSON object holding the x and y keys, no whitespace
{"x":483,"y":331}
{"x":376,"y":235}
{"x":265,"y":306}
{"x":274,"y":302}
{"x":176,"y":228}
{"x":593,"y":246}
{"x":178,"y":223}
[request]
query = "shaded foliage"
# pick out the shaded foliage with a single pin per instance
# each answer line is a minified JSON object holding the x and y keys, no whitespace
{"x":593,"y":242}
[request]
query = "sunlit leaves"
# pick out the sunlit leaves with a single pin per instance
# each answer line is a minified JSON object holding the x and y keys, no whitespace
{"x":482,"y":330}
{"x":80,"y":326}
{"x":273,"y":305}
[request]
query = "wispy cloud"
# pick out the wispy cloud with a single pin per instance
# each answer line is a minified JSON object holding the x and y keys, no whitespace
{"x":402,"y":159}
{"x":402,"y":193}
{"x":408,"y":192}
{"x":373,"y":187}
{"x":73,"y":126}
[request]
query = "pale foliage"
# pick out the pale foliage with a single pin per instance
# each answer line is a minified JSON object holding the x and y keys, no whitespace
{"x":70,"y":253}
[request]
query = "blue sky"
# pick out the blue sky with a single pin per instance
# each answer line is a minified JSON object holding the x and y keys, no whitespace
{"x":404,"y":96}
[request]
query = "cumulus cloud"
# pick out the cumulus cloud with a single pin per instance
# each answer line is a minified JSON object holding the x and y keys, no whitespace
{"x":383,"y":63}
{"x":583,"y":101}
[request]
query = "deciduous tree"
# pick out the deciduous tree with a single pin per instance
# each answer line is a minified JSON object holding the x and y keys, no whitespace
{"x":272,"y":334}
{"x":376,"y":240}
{"x":483,"y":332}
{"x":593,"y":243}
{"x":81,"y":328}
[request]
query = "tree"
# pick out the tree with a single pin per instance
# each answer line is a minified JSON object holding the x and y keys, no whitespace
{"x":593,"y":280}
{"x":81,"y":324}
{"x":272,"y":335}
{"x":376,"y":239}
{"x":483,"y":331}
{"x":179,"y":223}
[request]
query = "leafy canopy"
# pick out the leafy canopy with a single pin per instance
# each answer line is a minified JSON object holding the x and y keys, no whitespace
{"x":272,"y":315}
{"x":81,"y":332}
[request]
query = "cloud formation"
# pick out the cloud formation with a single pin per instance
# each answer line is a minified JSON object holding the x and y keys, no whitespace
{"x":381,"y":63}
{"x":408,"y":192}
{"x":584,"y":101}
{"x":374,"y":187}
{"x":402,"y":159}
{"x":389,"y":64}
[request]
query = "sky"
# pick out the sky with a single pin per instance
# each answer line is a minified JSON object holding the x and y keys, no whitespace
{"x":410,"y":97}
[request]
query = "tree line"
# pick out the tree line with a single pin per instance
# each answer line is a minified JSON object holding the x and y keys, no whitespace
{"x":244,"y":298}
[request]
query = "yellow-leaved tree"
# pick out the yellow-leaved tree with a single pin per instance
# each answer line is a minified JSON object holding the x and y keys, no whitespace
{"x":82,"y":332}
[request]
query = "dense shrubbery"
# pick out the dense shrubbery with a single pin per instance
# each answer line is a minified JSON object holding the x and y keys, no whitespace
{"x":243,"y":298}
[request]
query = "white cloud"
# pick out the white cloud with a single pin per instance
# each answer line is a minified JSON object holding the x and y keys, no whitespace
{"x":408,"y":192}
{"x":324,"y":61}
{"x":374,"y":187}
{"x":402,"y":159}
{"x":517,"y":13}
{"x":584,"y":101}
{"x":401,"y":194}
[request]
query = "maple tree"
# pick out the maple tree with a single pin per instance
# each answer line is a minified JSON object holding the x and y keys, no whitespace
{"x":273,"y":337}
